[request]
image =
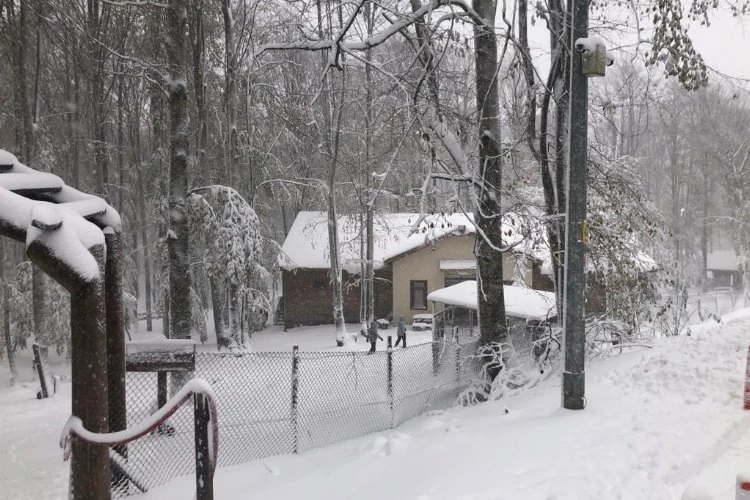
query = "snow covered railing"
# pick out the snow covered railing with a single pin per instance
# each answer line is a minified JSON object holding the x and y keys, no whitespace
{"x":206,"y":444}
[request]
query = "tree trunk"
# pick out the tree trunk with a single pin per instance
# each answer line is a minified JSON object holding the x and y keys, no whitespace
{"x":330,"y":142}
{"x":6,"y":317}
{"x":198,"y":41}
{"x":489,"y":262}
{"x":333,"y":233}
{"x":229,"y":84}
{"x":120,"y":143}
{"x":177,"y":237}
{"x":75,"y":129}
{"x":39,"y":298}
{"x":363,"y":265}
{"x":97,"y":58}
{"x":22,"y":99}
{"x":217,"y":306}
{"x":146,"y":254}
{"x":370,"y":195}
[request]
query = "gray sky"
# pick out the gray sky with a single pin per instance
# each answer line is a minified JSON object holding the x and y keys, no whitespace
{"x":725,"y":45}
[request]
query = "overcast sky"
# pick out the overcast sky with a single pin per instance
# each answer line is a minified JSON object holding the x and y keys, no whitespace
{"x":725,"y":45}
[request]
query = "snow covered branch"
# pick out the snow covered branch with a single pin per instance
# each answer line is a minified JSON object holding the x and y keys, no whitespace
{"x":377,"y":38}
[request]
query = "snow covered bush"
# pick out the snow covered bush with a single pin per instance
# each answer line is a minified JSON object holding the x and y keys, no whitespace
{"x":226,"y":232}
{"x":505,"y":372}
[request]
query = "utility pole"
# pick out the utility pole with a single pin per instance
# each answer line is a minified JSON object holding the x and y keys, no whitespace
{"x":573,"y":383}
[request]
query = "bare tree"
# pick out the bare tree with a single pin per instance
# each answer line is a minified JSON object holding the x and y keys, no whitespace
{"x":178,"y":234}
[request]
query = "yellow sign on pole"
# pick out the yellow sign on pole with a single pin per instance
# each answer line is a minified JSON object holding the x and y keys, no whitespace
{"x":585,"y":232}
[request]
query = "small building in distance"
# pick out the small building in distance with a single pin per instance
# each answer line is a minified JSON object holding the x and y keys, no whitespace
{"x":723,"y":268}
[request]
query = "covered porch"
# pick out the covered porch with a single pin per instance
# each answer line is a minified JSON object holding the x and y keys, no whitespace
{"x":455,"y":309}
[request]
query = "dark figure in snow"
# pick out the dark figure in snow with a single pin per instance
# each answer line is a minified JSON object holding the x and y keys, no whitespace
{"x":401,"y":332}
{"x":372,"y":336}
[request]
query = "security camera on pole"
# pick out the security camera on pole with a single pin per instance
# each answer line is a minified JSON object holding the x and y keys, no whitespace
{"x":588,"y":59}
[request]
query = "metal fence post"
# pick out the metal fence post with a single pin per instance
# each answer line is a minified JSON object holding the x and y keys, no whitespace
{"x":161,"y":389}
{"x":295,"y":396}
{"x":458,"y":358}
{"x":389,"y":359}
{"x":204,"y":480}
{"x":40,"y":369}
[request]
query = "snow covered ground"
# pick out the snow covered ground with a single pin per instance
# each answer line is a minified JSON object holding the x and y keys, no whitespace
{"x":661,"y":423}
{"x":308,"y":338}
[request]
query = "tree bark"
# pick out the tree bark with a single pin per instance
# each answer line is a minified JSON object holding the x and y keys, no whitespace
{"x":97,"y":59}
{"x":370,"y":195}
{"x":330,"y":141}
{"x":217,"y":306}
{"x":177,"y":237}
{"x":198,"y":41}
{"x":6,"y":317}
{"x":22,"y":99}
{"x":38,"y":299}
{"x":146,"y":254}
{"x":229,"y":84}
{"x":489,"y":262}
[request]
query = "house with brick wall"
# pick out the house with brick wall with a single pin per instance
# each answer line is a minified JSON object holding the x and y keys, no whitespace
{"x":414,"y":255}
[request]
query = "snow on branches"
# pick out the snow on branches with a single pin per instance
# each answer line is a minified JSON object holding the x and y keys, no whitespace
{"x":227,"y":230}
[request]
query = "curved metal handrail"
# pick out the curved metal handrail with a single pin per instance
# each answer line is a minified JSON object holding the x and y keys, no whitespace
{"x":74,"y":426}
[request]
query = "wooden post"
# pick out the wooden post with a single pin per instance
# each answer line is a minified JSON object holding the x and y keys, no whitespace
{"x":90,"y":472}
{"x":115,"y":334}
{"x":204,"y":480}
{"x":295,"y":389}
{"x":40,"y":369}
{"x":389,"y":389}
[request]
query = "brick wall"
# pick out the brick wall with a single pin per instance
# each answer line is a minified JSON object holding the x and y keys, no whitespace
{"x":308,"y":298}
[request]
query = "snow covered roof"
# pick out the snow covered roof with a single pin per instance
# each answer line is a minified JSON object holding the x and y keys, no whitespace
{"x":55,"y":216}
{"x":722,"y":260}
{"x":520,"y":302}
{"x":306,"y":245}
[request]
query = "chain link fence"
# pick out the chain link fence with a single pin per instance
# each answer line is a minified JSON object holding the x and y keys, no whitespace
{"x":272,"y":403}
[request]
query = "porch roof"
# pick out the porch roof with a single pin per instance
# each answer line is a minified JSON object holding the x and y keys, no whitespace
{"x":520,"y":302}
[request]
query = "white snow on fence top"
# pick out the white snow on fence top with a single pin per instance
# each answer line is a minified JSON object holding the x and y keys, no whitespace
{"x":520,"y":302}
{"x":448,"y":265}
{"x":722,"y":260}
{"x":306,"y":245}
